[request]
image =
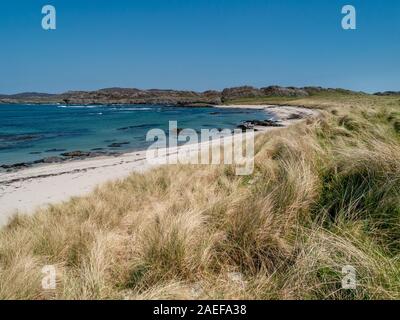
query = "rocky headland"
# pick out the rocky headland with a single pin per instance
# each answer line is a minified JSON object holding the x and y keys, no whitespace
{"x":156,"y":96}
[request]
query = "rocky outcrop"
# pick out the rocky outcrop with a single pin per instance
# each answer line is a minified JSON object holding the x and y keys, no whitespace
{"x":68,"y":156}
{"x":165,"y":97}
{"x":275,"y":91}
{"x":240,"y":92}
{"x":136,"y":96}
{"x":250,"y":125}
{"x":15,"y":166}
{"x":75,"y":154}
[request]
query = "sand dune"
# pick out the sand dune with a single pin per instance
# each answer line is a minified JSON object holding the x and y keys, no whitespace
{"x":24,"y":190}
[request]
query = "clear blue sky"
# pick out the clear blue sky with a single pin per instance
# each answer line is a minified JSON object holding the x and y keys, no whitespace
{"x":198,"y":44}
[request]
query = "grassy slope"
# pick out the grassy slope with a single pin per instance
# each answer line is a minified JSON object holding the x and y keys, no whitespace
{"x":324,"y":194}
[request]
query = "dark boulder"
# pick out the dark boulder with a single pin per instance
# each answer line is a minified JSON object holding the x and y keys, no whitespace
{"x":75,"y":154}
{"x":265,"y":123}
{"x":16,"y":165}
{"x":250,"y":125}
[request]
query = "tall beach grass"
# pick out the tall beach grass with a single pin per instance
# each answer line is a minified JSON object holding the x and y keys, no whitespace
{"x":324,"y":194}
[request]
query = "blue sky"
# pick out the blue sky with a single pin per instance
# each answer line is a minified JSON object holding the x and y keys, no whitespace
{"x":198,"y":44}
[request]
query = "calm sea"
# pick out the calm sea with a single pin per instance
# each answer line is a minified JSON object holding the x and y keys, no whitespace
{"x":33,"y":132}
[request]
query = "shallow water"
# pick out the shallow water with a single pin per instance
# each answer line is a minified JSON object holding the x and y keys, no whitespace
{"x":33,"y":132}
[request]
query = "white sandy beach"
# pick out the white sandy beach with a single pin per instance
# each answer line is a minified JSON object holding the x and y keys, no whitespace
{"x":25,"y":190}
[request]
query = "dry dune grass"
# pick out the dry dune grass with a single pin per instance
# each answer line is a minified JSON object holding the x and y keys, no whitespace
{"x":324,"y":194}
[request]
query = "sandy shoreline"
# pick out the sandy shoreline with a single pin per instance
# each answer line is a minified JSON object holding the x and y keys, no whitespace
{"x":25,"y":190}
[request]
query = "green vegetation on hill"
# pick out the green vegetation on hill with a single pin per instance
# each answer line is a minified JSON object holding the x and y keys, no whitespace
{"x":324,"y":194}
{"x":172,"y":97}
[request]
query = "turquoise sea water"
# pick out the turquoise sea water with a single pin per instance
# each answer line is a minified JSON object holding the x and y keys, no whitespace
{"x":33,"y":132}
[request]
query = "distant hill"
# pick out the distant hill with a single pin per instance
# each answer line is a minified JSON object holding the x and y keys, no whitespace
{"x":157,"y":96}
{"x":28,"y":95}
{"x":388,"y":93}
